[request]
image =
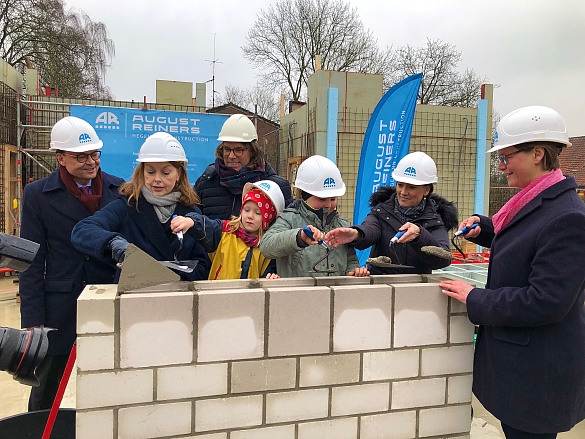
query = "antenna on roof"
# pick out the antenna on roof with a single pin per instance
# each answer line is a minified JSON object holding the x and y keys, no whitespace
{"x":213,"y":62}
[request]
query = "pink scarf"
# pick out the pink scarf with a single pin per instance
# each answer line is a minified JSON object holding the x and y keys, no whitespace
{"x":522,"y":198}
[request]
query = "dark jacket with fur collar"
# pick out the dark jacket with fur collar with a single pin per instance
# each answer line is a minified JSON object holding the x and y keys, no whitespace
{"x":381,"y":224}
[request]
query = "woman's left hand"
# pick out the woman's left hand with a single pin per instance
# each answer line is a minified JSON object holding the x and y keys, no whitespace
{"x":179,"y":223}
{"x":272,"y":276}
{"x":457,"y":289}
{"x":359,"y":272}
{"x":412,"y":232}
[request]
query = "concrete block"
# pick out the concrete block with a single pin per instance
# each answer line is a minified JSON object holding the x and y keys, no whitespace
{"x":362,"y":317}
{"x":331,"y":281}
{"x":155,"y":329}
{"x":94,"y":425}
{"x":457,"y":307}
{"x":447,"y":360}
{"x":299,"y":321}
{"x":109,"y":389}
{"x":233,"y":412}
{"x":364,"y":398}
{"x":460,"y":329}
{"x":191,"y":381}
{"x":387,"y":365}
{"x":445,"y":420}
{"x":420,"y":315}
{"x":96,"y":309}
{"x":459,"y":389}
{"x":296,"y":406}
{"x":262,"y":375}
{"x":280,"y":432}
{"x":329,"y":369}
{"x":224,"y":284}
{"x":399,"y":425}
{"x":392,"y":279}
{"x":418,"y":393}
{"x":288,"y":282}
{"x":154,"y":421}
{"x":344,"y":428}
{"x":230,"y":325}
{"x":95,"y":352}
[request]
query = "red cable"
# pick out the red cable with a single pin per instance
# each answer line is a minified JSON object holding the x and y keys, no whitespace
{"x":60,"y":392}
{"x":24,"y":351}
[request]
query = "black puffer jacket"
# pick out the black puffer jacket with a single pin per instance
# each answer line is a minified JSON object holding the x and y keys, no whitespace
{"x":218,"y":202}
{"x":382,"y":224}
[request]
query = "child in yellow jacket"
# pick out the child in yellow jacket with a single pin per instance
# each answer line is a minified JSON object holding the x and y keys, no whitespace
{"x":233,"y":245}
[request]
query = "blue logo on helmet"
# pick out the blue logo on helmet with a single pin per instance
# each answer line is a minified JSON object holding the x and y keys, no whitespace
{"x":84,"y":138}
{"x":329,"y":182}
{"x":496,"y":138}
{"x":410,"y":172}
{"x":264,"y":186}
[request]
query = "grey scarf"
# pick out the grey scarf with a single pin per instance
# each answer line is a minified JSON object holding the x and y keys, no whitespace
{"x":164,"y":205}
{"x":409,"y":214}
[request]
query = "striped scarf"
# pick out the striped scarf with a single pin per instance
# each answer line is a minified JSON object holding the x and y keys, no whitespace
{"x":250,"y":241}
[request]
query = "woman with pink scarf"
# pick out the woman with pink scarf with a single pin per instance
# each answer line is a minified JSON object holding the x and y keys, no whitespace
{"x":529,"y":368}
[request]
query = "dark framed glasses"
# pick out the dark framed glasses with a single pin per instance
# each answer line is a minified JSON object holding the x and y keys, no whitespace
{"x":83,"y":156}
{"x":238,"y":152}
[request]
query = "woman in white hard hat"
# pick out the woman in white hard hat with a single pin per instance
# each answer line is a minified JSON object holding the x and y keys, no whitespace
{"x":412,"y":207}
{"x":529,"y":368}
{"x":291,"y":244}
{"x":158,"y":190}
{"x":238,"y":160}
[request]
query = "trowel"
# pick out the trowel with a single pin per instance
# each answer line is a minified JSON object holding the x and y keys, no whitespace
{"x":184,"y":266}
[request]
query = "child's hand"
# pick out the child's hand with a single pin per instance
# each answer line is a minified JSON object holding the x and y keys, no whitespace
{"x":360,"y":272}
{"x":272,"y":276}
{"x":317,"y":236}
{"x":181,"y":223}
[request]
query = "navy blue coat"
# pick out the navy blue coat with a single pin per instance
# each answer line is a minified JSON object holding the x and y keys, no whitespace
{"x":142,"y":228}
{"x":382,"y":223}
{"x":50,"y":286}
{"x":529,"y":368}
{"x":218,"y":202}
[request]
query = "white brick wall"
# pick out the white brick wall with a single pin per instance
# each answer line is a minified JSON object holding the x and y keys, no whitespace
{"x":379,"y":357}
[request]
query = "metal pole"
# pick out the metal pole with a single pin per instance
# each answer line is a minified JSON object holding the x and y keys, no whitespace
{"x":18,"y":165}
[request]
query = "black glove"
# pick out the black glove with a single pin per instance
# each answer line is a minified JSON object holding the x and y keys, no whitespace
{"x":118,"y":247}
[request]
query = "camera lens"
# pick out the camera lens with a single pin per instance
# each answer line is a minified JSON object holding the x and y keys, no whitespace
{"x":22,"y":351}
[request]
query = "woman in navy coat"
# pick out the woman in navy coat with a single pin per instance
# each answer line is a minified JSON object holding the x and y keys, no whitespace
{"x":159,"y":189}
{"x":529,"y":368}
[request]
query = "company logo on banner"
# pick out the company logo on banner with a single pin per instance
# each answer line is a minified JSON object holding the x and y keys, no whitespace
{"x":386,"y":141}
{"x":123,"y":131}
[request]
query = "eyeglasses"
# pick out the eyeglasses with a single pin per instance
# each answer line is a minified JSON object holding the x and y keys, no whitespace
{"x":238,"y":152}
{"x":82,"y":157}
{"x":505,"y":158}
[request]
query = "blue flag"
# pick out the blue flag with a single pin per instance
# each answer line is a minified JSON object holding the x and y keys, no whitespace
{"x":386,"y":141}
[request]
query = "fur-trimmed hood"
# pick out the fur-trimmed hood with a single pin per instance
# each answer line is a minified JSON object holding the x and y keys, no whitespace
{"x":445,"y":208}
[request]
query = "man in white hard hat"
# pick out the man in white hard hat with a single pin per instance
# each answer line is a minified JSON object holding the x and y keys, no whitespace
{"x":51,"y":207}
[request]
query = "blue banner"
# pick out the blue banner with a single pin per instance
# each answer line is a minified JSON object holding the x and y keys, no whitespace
{"x":386,"y":141}
{"x":124,"y":130}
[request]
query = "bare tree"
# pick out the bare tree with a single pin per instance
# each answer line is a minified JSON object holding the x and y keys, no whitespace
{"x":261,"y":98}
{"x":441,"y":83}
{"x":70,"y":51}
{"x":287,"y":36}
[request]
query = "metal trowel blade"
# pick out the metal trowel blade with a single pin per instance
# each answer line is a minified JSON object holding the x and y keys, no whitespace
{"x":184,"y":266}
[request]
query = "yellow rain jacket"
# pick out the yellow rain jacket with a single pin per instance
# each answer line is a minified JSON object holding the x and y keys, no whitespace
{"x":233,"y":257}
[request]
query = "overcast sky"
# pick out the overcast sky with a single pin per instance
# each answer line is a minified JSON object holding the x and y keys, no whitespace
{"x":533,"y":51}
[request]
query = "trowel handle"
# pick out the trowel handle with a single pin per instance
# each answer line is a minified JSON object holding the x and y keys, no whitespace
{"x":309,"y":233}
{"x":465,"y":230}
{"x":180,"y":232}
{"x":397,"y":236}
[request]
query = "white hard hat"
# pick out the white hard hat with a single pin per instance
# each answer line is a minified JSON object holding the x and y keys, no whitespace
{"x":272,"y":191}
{"x":530,"y":124}
{"x":416,"y":168}
{"x":161,"y":147}
{"x":238,"y":128}
{"x":75,"y":135}
{"x":319,"y":176}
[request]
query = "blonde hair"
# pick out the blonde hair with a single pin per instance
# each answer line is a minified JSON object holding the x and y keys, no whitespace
{"x":132,"y":188}
{"x":236,"y":222}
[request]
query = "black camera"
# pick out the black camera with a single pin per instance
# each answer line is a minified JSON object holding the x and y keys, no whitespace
{"x":21,"y":351}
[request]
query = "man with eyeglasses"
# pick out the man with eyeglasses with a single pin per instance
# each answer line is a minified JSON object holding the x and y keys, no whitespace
{"x":238,"y":160}
{"x":51,"y":208}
